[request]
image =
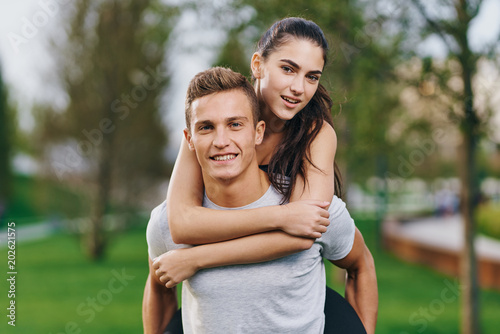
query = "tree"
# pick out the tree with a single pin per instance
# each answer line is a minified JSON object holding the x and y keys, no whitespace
{"x":110,"y":135}
{"x":453,"y":29}
{"x":6,"y":140}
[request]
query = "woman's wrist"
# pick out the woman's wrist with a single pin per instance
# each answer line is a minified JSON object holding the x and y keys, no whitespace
{"x":281,"y":217}
{"x":199,"y":259}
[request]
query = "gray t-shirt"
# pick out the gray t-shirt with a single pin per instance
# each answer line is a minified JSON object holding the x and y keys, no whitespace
{"x":285,"y":295}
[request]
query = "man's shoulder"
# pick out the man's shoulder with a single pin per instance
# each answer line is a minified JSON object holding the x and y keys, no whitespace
{"x":158,"y":234}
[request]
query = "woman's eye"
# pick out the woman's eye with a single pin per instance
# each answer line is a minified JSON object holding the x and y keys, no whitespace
{"x":286,"y":68}
{"x":313,"y":77}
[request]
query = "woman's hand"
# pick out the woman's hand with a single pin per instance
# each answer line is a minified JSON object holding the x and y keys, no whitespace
{"x":306,"y":218}
{"x":175,"y":266}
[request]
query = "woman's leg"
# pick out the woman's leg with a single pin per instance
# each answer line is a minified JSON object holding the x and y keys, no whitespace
{"x":340,"y":316}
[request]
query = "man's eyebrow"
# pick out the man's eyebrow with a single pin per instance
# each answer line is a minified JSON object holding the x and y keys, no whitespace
{"x":228,"y":119}
{"x":203,"y":122}
{"x":297,"y":66}
{"x":237,"y":118}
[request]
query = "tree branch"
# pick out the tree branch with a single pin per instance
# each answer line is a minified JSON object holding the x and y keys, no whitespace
{"x":438,"y":27}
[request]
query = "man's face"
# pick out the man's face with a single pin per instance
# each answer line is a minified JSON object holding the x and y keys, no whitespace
{"x":223,"y":134}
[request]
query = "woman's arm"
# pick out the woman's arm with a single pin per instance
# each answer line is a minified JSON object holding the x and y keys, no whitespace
{"x":320,"y":180}
{"x":190,"y":223}
{"x":175,"y":266}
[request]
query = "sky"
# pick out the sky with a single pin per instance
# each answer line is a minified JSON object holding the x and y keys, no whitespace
{"x":27,"y":67}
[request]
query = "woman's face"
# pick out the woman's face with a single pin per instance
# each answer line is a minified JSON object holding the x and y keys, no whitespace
{"x":288,"y":78}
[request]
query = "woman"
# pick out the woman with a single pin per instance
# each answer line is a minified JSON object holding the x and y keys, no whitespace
{"x":299,"y":142}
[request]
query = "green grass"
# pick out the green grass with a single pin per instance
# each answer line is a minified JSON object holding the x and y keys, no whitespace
{"x":57,"y":290}
{"x":415,"y":299}
{"x":55,"y":285}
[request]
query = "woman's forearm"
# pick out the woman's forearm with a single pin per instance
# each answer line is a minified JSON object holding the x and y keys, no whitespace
{"x":177,"y":265}
{"x":251,"y":249}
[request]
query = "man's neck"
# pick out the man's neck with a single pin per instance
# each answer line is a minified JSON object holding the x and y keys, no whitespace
{"x":238,"y":192}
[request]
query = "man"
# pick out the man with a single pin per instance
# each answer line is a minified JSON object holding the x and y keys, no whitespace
{"x":282,"y":295}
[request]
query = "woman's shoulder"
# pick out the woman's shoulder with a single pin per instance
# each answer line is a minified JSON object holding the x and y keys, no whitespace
{"x":326,"y":134}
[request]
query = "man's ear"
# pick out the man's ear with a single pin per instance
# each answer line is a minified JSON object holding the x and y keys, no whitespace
{"x":187,"y":135}
{"x":256,"y":64}
{"x":259,"y":132}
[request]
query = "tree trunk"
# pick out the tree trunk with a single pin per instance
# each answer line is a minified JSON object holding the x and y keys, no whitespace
{"x":96,"y":239}
{"x":470,"y":304}
{"x":469,"y":200}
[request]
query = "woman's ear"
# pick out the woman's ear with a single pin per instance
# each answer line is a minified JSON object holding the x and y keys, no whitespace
{"x":256,"y":64}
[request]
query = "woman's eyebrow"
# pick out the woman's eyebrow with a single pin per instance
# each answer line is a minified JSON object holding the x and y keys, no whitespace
{"x":297,"y":66}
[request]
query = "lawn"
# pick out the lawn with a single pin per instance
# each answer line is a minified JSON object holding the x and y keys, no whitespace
{"x":58,"y":291}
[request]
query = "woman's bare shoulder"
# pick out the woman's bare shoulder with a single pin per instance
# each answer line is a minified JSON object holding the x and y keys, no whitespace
{"x":326,"y":134}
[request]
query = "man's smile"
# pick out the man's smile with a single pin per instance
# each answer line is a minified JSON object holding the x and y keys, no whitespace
{"x":225,"y":157}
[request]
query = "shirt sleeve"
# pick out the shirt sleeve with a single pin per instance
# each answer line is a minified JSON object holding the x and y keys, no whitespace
{"x":158,"y":233}
{"x":338,"y":239}
{"x":154,"y":235}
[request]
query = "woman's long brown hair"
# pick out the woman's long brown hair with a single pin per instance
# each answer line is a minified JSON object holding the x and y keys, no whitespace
{"x":293,"y":151}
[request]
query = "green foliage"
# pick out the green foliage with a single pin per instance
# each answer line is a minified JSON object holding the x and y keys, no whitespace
{"x":7,"y":122}
{"x":233,"y":55}
{"x":488,"y":222}
{"x":35,"y":199}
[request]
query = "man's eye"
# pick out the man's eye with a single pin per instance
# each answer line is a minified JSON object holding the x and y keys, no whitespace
{"x":205,"y":128}
{"x":235,"y":125}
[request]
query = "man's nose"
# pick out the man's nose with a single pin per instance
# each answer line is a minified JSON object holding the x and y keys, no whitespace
{"x":221,"y":139}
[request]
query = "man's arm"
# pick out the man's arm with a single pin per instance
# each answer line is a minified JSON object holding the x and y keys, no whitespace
{"x":361,"y":286}
{"x":158,"y":305}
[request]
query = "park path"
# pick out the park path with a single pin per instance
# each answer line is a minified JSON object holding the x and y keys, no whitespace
{"x":30,"y":232}
{"x":445,"y":232}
